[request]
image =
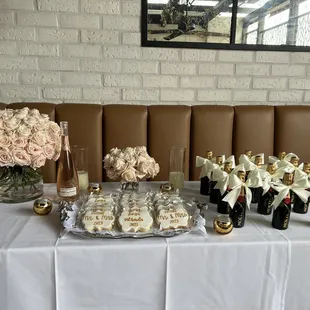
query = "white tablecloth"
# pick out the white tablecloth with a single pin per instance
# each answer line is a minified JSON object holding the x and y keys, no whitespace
{"x":255,"y":267}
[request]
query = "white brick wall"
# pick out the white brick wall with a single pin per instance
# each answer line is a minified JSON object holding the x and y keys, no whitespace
{"x":90,"y":51}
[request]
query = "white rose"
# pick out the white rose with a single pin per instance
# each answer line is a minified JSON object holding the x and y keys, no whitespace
{"x":130,"y":159}
{"x":140,"y":150}
{"x":6,"y":158}
{"x":35,"y":113}
{"x":115,"y":151}
{"x":23,"y":131}
{"x":34,"y":149}
{"x":130,"y":151}
{"x":22,"y":113}
{"x":20,"y":142}
{"x":119,"y":165}
{"x":30,"y":121}
{"x":107,"y":161}
{"x":112,"y":174}
{"x":12,"y":123}
{"x":129,"y":175}
{"x":52,"y":126}
{"x":49,"y":151}
{"x":20,"y":157}
{"x":157,"y":169}
{"x":7,"y":114}
{"x":39,"y":138}
{"x":38,"y":161}
{"x":5,"y":141}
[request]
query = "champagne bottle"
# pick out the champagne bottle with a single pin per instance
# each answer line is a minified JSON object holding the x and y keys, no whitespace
{"x":248,"y":153}
{"x":67,"y":178}
{"x":295,"y":161}
{"x":237,"y":213}
{"x":265,"y":201}
{"x":300,"y":206}
{"x":223,"y":206}
{"x":281,"y":215}
{"x":205,"y":187}
{"x":257,"y":191}
{"x":215,"y":193}
{"x":281,"y":155}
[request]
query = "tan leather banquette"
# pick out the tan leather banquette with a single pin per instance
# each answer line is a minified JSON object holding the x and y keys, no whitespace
{"x":223,"y":129}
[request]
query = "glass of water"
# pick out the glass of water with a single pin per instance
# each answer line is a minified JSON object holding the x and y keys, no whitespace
{"x":80,"y":157}
{"x":176,"y":167}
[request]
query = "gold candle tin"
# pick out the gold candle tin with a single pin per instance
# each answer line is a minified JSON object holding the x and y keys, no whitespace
{"x":94,"y":188}
{"x":42,"y":206}
{"x":166,"y":187}
{"x":222,"y":224}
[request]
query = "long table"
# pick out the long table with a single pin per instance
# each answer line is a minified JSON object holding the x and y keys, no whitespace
{"x":255,"y":267}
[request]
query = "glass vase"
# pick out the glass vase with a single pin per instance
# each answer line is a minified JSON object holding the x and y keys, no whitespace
{"x":20,"y":183}
{"x":131,"y":186}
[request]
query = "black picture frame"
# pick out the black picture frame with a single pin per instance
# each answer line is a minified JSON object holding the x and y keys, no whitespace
{"x":220,"y":46}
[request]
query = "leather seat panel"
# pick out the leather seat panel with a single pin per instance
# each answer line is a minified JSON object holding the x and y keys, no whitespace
{"x":211,"y":129}
{"x":85,"y":129}
{"x":253,"y":130}
{"x":124,"y":126}
{"x":292,"y":132}
{"x":168,"y":126}
{"x":49,"y":169}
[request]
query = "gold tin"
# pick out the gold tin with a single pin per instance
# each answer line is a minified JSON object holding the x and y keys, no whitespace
{"x":42,"y":206}
{"x":94,"y":188}
{"x":223,"y":224}
{"x":166,"y":187}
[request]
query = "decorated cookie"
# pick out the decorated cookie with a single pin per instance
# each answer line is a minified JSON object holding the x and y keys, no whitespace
{"x":135,"y":219}
{"x":98,"y":219}
{"x":172,"y":217}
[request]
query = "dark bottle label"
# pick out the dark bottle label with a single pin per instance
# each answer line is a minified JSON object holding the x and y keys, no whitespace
{"x":237,"y":214}
{"x":205,"y":186}
{"x":299,"y":206}
{"x":281,"y":215}
{"x":256,"y":193}
{"x":264,"y":203}
{"x":215,"y":193}
{"x":223,"y":206}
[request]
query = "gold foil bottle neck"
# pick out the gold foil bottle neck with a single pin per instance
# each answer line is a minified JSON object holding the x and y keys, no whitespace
{"x":241,"y":175}
{"x":209,"y":155}
{"x":288,"y":178}
{"x":295,"y":161}
{"x":271,"y":168}
{"x":219,"y":160}
{"x":306,"y":168}
{"x":248,"y":153}
{"x":281,"y":155}
{"x":258,"y":161}
{"x":228,"y":167}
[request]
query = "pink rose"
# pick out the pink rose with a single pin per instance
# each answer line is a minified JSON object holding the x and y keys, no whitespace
{"x":12,"y":123}
{"x":34,"y":149}
{"x":39,"y":138}
{"x":129,"y":175}
{"x":7,"y":114}
{"x":20,"y":142}
{"x":6,"y":158}
{"x":38,"y":161}
{"x":20,"y":157}
{"x":30,"y":121}
{"x":22,"y":113}
{"x":34,"y":113}
{"x":5,"y":141}
{"x":53,"y":127}
{"x":48,"y":151}
{"x":23,"y":131}
{"x":52,"y":137}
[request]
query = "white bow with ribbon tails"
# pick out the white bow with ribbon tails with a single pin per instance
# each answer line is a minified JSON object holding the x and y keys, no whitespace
{"x":287,"y":158}
{"x":299,"y":188}
{"x":236,"y":186}
{"x":248,"y":164}
{"x":254,"y":179}
{"x":207,"y":166}
{"x":266,"y":179}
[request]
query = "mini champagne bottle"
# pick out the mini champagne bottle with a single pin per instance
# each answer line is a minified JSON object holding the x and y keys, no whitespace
{"x":281,"y":215}
{"x":223,"y":206}
{"x":281,"y":155}
{"x":67,"y":178}
{"x":257,"y":191}
{"x":205,"y":186}
{"x":300,"y":206}
{"x":215,"y":193}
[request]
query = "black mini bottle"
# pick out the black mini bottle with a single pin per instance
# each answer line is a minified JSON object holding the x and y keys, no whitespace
{"x":257,"y":191}
{"x":265,"y":201}
{"x":237,"y":213}
{"x":281,"y":215}
{"x":205,"y":186}
{"x":215,"y":193}
{"x":223,"y":206}
{"x":300,"y":206}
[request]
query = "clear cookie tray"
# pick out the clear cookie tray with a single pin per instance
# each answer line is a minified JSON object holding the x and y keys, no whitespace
{"x":132,"y":214}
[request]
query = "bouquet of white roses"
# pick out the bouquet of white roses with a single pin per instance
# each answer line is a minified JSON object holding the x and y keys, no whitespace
{"x":27,"y":138}
{"x":130,"y":164}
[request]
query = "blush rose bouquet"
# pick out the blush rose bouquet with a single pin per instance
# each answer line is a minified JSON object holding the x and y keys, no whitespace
{"x":130,"y":164}
{"x":27,"y":139}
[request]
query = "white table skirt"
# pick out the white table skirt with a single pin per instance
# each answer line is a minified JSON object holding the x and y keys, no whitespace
{"x":255,"y":267}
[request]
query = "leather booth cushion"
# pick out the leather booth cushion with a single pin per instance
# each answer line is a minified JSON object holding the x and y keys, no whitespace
{"x":253,"y":130}
{"x":168,"y":126}
{"x":85,"y":129}
{"x":211,"y":129}
{"x":292,"y":130}
{"x":123,"y":126}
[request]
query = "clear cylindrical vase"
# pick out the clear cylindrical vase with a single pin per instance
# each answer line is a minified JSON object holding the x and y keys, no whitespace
{"x":176,"y":167}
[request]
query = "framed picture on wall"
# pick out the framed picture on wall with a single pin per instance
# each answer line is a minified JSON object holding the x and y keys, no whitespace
{"x":279,"y":25}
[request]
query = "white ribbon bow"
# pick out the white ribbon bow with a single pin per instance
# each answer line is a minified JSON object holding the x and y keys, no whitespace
{"x":207,"y":166}
{"x":231,"y":159}
{"x":248,"y":164}
{"x":299,"y":188}
{"x":236,"y":186}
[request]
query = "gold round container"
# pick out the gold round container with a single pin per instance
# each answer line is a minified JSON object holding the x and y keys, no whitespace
{"x":166,"y":187}
{"x":222,"y":224}
{"x":94,"y":188}
{"x":42,"y":206}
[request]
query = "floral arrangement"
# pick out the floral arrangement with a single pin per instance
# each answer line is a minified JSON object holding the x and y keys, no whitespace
{"x":130,"y":164}
{"x":27,"y":138}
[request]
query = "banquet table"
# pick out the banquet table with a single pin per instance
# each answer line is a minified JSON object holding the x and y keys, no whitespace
{"x":254,"y":267}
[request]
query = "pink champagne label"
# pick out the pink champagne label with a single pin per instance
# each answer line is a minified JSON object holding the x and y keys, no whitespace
{"x":67,"y":192}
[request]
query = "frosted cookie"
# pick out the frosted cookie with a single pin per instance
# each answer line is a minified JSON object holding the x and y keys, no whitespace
{"x":135,"y":220}
{"x":172,"y":217}
{"x":98,"y":219}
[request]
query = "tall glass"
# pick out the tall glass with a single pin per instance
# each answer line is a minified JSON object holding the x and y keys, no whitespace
{"x":176,"y":167}
{"x":80,"y":157}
